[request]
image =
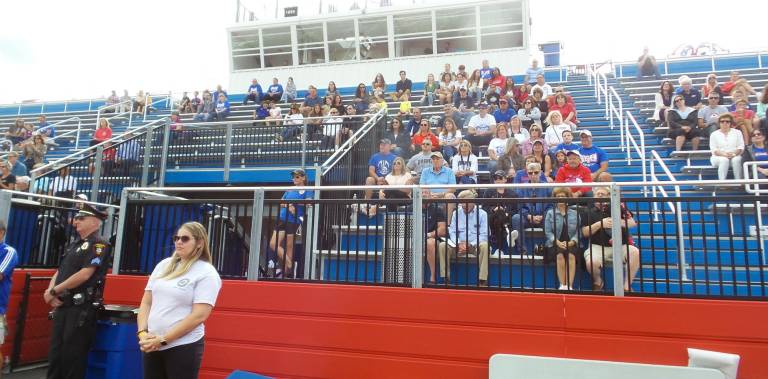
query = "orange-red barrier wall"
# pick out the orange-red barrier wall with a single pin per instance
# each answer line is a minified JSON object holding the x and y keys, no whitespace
{"x":294,"y":330}
{"x":37,"y":329}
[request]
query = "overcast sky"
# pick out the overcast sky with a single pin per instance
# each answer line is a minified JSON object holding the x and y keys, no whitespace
{"x":77,"y":49}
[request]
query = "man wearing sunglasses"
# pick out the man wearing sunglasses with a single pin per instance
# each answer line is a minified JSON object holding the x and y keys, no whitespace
{"x":75,"y":293}
{"x":709,"y":115}
{"x":531,"y":213}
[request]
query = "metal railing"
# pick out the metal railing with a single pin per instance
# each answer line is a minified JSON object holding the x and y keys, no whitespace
{"x":161,"y":98}
{"x":42,"y":104}
{"x":675,"y":207}
{"x":632,"y":143}
{"x":69,"y":133}
{"x":115,"y":107}
{"x":616,"y":110}
{"x":664,"y":63}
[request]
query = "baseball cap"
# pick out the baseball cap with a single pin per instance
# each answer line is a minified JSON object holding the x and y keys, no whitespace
{"x":499,"y":174}
{"x":586,"y":132}
{"x":385,"y":141}
{"x":503,"y":100}
{"x":483,"y":106}
{"x":573,"y":152}
{"x":299,"y":172}
{"x":436,"y":154}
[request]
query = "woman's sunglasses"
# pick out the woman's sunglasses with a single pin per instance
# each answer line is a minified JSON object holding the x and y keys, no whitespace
{"x":183,"y":239}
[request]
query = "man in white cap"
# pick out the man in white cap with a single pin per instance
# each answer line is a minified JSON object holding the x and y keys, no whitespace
{"x":594,"y":158}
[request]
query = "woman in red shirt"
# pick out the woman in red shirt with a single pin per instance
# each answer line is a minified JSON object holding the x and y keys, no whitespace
{"x":497,"y":78}
{"x":566,"y":109}
{"x":102,"y":133}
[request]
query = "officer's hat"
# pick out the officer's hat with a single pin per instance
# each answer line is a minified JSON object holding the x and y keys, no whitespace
{"x":88,"y":210}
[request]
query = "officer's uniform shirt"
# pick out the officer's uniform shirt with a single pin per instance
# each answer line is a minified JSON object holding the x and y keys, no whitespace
{"x":91,"y":251}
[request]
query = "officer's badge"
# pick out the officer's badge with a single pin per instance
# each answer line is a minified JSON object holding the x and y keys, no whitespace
{"x":99,"y":247}
{"x":84,"y":246}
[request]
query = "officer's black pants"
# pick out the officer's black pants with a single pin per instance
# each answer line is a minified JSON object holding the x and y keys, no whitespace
{"x":70,"y":343}
{"x":179,"y":362}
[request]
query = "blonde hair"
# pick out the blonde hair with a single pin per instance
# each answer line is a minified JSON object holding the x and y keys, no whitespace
{"x":402,"y":166}
{"x":177,"y":267}
{"x":552,"y":113}
{"x":561,"y":190}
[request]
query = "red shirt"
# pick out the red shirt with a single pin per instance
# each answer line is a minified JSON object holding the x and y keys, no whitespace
{"x":565,"y":110}
{"x":109,"y":154}
{"x":727,"y":87}
{"x":499,"y":81}
{"x":748,"y":114}
{"x":580,"y":174}
{"x":418,"y":139}
{"x":102,"y":134}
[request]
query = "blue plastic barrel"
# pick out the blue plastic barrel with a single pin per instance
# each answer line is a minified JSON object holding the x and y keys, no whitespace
{"x":116,"y":354}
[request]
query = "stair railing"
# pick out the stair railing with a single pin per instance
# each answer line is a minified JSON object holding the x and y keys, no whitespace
{"x":160,"y":98}
{"x":344,"y":148}
{"x":631,"y":144}
{"x":675,"y":207}
{"x":615,"y":108}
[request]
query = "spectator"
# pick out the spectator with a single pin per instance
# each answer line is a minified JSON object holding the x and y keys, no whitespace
{"x":111,"y":102}
{"x":16,"y":131}
{"x":683,"y":124}
{"x":107,"y":160}
{"x":575,"y":173}
{"x":646,"y":65}
{"x":314,"y":124}
{"x":400,"y":139}
{"x":534,"y":71}
{"x":516,"y":130}
{"x":505,"y":112}
{"x":274,"y":113}
{"x":435,"y":222}
{"x":195,"y":102}
{"x":449,"y":139}
{"x":447,"y":70}
{"x":64,"y":185}
{"x":34,"y":151}
{"x":331,"y":127}
{"x":475,"y":85}
{"x":170,"y":320}
{"x":311,"y":100}
{"x":757,"y":151}
{"x":510,"y":92}
{"x":438,"y":173}
{"x":531,"y":213}
{"x":205,"y":112}
{"x":492,"y":95}
{"x":218,"y":92}
{"x":398,"y":176}
{"x":292,"y":125}
{"x":289,"y":96}
{"x":45,"y":128}
{"x":726,"y":144}
{"x":465,"y":164}
{"x":338,"y":104}
{"x":566,"y":110}
{"x":379,"y":166}
{"x":762,"y":105}
{"x":465,"y":104}
{"x":737,"y":83}
{"x":449,"y":112}
{"x":567,"y":143}
{"x":521,"y":176}
{"x":468,"y":232}
{"x":691,"y":95}
{"x":102,"y":133}
{"x":557,"y":162}
{"x":481,"y":127}
{"x":497,"y":79}
{"x":486,"y":73}
{"x":529,"y":114}
{"x":22,"y":183}
{"x":17,"y":168}
{"x":7,"y":179}
{"x":545,"y":88}
{"x":349,"y":125}
{"x":414,"y":123}
{"x":561,"y":226}
{"x":460,"y":82}
{"x":331,"y":91}
{"x":362,"y":99}
{"x":711,"y":85}
{"x":708,"y":116}
{"x":275,"y":91}
{"x":127,"y":158}
{"x":424,"y":134}
{"x":554,"y":135}
{"x":140,"y":102}
{"x":737,"y":95}
{"x":327,"y":104}
{"x":445,"y":92}
{"x":125,"y":102}
{"x":402,"y":88}
{"x":511,"y":161}
{"x":261,"y":112}
{"x":462,"y":72}
{"x":594,"y":158}
{"x":499,"y":212}
{"x":421,"y":161}
{"x":185,"y":105}
{"x":289,"y":219}
{"x":430,"y":91}
{"x":596,"y":224}
{"x":497,"y":147}
{"x":535,"y":135}
{"x":222,"y":108}
{"x":379,"y":86}
{"x":742,"y":119}
{"x":543,"y":157}
{"x":663,"y":101}
{"x":523,"y":93}
{"x":537,"y":96}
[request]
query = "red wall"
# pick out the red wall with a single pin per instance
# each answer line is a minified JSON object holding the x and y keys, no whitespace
{"x":37,"y":329}
{"x":294,"y":330}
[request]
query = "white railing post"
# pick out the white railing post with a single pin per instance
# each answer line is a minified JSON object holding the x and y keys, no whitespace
{"x":618,"y":245}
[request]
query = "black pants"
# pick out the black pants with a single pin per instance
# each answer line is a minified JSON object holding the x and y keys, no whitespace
{"x":180,"y":362}
{"x":251,"y":96}
{"x":74,"y":329}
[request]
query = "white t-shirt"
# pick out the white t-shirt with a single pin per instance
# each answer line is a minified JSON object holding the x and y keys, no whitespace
{"x":546,"y":89}
{"x":331,"y":126}
{"x":449,"y":139}
{"x":482,"y":124}
{"x":554,"y":134}
{"x":294,"y":119}
{"x":499,"y":145}
{"x":172,"y":300}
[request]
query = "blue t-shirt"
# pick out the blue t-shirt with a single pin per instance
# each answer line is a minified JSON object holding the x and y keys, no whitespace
{"x":293,"y":218}
{"x":8,"y":261}
{"x":382,"y":163}
{"x":532,"y":73}
{"x":222,"y":107}
{"x":485,"y":73}
{"x":567,"y":147}
{"x":691,"y":98}
{"x":255,"y":88}
{"x":312,"y":101}
{"x":593,"y":157}
{"x":760,"y":154}
{"x":276,"y":88}
{"x":444,"y":176}
{"x":504,"y":116}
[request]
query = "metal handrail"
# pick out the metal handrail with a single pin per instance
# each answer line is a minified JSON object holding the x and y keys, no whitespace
{"x":631,"y":142}
{"x":613,"y":110}
{"x":162,"y":97}
{"x":105,"y":107}
{"x":336,"y":156}
{"x":712,"y":58}
{"x":676,"y":207}
{"x":43,"y":103}
{"x":61,"y":199}
{"x":37,"y":172}
{"x":751,"y":168}
{"x":65,"y":134}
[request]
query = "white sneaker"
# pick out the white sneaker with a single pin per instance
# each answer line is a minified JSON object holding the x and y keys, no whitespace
{"x":513,"y":238}
{"x":496,"y":253}
{"x":564,"y":287}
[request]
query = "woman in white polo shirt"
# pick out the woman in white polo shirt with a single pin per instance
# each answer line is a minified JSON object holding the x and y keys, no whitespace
{"x":179,"y":297}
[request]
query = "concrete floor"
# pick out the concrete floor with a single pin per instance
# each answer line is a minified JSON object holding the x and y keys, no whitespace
{"x":27,"y":373}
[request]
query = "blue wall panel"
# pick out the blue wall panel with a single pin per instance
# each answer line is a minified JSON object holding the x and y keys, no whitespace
{"x":736,"y":63}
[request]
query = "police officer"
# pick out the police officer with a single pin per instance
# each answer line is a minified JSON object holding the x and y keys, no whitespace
{"x":75,"y":294}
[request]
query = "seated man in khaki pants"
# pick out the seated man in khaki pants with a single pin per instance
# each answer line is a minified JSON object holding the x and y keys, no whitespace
{"x":468,"y":235}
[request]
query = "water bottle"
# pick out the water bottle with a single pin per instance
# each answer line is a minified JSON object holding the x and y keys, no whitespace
{"x":353,"y":216}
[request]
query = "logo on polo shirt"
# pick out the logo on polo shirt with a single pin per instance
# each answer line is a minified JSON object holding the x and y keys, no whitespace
{"x":182,"y":283}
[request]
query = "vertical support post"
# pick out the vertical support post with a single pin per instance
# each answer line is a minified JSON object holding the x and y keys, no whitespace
{"x":618,"y":246}
{"x":147,"y":156}
{"x":77,"y":137}
{"x":304,"y":145}
{"x":5,"y":205}
{"x":254,"y":252}
{"x":681,"y":240}
{"x":130,"y":114}
{"x":164,"y":156}
{"x":310,"y":223}
{"x":98,"y":160}
{"x":118,"y":248}
{"x":416,"y":241}
{"x":227,"y":152}
{"x":308,"y":256}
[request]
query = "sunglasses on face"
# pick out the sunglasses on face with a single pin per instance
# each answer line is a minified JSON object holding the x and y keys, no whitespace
{"x":757,"y":134}
{"x":713,"y":97}
{"x":725,"y":121}
{"x":533,"y":172}
{"x":183,"y":239}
